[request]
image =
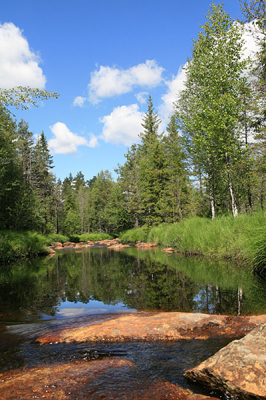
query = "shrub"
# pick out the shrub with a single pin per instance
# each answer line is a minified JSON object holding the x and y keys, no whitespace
{"x":134,"y":235}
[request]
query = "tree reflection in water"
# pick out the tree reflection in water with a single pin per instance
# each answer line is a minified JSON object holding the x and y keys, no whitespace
{"x":141,"y":280}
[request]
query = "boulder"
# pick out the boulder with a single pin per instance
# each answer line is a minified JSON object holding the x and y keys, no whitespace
{"x":169,"y":250}
{"x":146,"y":245}
{"x":239,"y":368}
{"x":108,"y":242}
{"x":50,"y":250}
{"x":118,"y":246}
{"x":69,"y":244}
{"x":56,"y":244}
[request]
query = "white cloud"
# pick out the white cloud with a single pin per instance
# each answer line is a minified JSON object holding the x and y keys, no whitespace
{"x":93,"y":142}
{"x":66,"y":142}
{"x":142,"y":97}
{"x":79,"y":101}
{"x":250,"y":44}
{"x":122,"y":126}
{"x":177,"y":83}
{"x":174,"y":87}
{"x":18,"y":63}
{"x":109,"y":82}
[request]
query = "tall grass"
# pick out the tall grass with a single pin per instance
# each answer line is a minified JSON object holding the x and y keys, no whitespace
{"x":242,"y":238}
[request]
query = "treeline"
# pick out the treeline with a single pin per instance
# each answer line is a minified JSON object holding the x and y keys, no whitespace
{"x":210,"y":161}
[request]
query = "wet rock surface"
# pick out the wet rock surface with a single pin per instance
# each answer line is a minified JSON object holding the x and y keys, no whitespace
{"x":154,"y":327}
{"x":111,"y":378}
{"x":138,"y":356}
{"x":239,"y":368}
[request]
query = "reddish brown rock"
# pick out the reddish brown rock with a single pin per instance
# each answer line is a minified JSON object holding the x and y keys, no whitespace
{"x":155,"y":326}
{"x":146,"y":245}
{"x":50,"y":250}
{"x":108,"y":242}
{"x":69,"y":244}
{"x":239,"y":368}
{"x":118,"y":246}
{"x":102,"y":379}
{"x":56,"y":244}
{"x":169,"y":250}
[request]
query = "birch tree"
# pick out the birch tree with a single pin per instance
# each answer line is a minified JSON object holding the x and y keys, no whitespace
{"x":210,"y":107}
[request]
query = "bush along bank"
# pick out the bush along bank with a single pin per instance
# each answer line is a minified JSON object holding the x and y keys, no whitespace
{"x":240,"y":239}
{"x":16,"y":245}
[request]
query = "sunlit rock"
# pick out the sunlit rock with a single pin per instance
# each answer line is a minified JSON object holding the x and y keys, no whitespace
{"x":155,"y":326}
{"x":146,"y":245}
{"x":169,"y":250}
{"x":239,"y":368}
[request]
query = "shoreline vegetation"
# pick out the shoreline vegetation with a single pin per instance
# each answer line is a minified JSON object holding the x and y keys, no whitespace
{"x":241,"y":239}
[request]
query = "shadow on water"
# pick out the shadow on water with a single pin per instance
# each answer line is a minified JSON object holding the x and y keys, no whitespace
{"x":47,"y":293}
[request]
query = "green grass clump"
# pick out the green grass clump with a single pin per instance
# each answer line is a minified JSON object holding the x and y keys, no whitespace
{"x":134,"y":235}
{"x":86,"y":237}
{"x":55,"y":237}
{"x":242,"y":238}
{"x":15,"y":245}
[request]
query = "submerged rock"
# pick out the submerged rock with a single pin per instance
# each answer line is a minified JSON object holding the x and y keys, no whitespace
{"x":239,"y":368}
{"x":112,"y":378}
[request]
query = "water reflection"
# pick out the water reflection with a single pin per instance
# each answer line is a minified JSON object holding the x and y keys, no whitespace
{"x":101,"y":280}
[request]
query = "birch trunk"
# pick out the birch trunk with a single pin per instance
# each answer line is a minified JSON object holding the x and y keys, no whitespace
{"x":233,"y":200}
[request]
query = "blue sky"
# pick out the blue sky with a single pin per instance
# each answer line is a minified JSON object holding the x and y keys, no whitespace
{"x":104,"y":57}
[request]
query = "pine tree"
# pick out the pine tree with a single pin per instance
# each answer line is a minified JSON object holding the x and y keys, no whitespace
{"x":152,"y":168}
{"x":177,"y":193}
{"x":10,"y":171}
{"x":128,"y":179}
{"x":25,"y":145}
{"x":43,"y":181}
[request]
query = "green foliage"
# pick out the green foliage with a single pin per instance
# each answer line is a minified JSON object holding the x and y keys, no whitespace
{"x":55,"y":237}
{"x":20,"y":245}
{"x":86,"y":237}
{"x":211,"y":105}
{"x":24,"y":96}
{"x":242,"y":238}
{"x":134,"y":235}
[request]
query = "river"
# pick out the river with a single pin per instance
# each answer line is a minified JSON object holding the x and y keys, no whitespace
{"x":46,"y":292}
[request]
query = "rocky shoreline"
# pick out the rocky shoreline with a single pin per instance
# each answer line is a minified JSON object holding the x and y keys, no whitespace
{"x":238,"y":369}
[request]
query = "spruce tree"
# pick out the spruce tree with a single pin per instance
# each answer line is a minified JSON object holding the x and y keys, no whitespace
{"x":152,"y":168}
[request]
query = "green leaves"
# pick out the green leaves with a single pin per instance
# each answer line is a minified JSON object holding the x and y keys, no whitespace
{"x":209,"y":110}
{"x":22,"y":97}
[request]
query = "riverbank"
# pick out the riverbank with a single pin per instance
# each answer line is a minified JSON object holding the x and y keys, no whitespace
{"x":19,"y":245}
{"x":240,"y":239}
{"x":101,"y":356}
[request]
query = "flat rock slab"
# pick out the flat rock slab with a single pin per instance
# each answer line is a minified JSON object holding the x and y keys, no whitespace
{"x":111,"y":378}
{"x":239,"y":368}
{"x":155,"y":326}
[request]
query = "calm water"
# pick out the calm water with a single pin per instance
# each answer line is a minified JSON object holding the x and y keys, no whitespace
{"x":99,"y":280}
{"x":46,"y":292}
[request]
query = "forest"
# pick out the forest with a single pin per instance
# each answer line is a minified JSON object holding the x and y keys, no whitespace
{"x":209,"y":162}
